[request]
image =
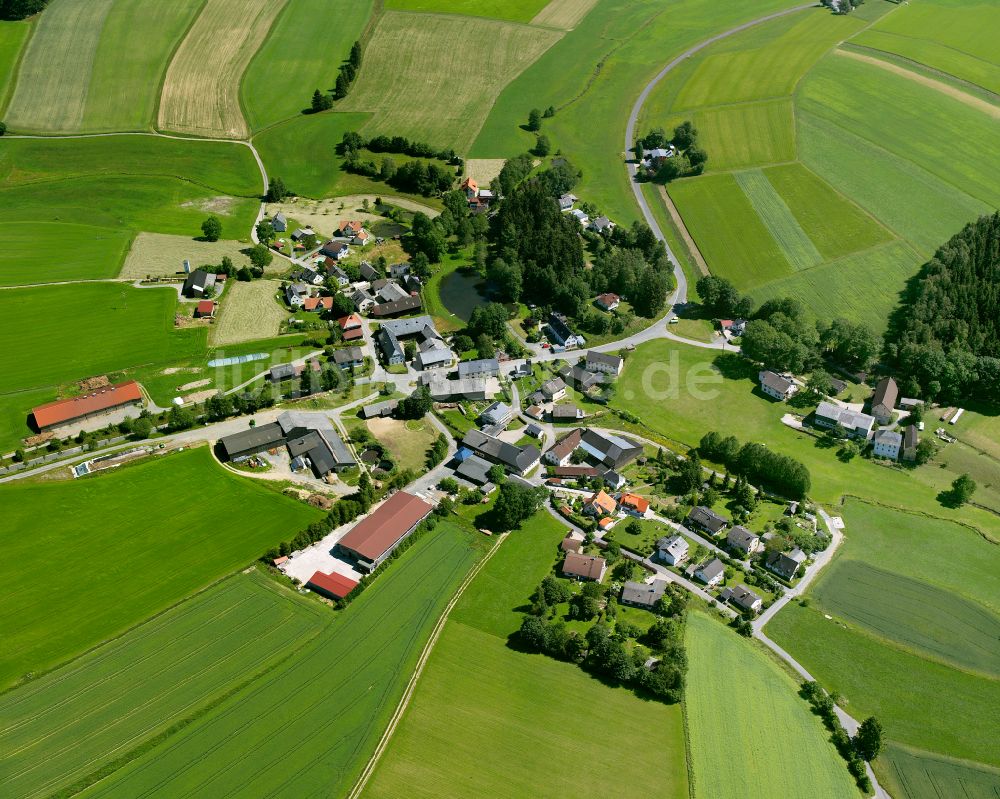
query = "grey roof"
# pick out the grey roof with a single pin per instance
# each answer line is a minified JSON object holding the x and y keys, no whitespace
{"x":407,"y":327}
{"x":367,"y":271}
{"x":741,"y":537}
{"x":324,"y":448}
{"x":709,"y":571}
{"x":391,"y":292}
{"x":775,"y":382}
{"x":603,"y":358}
{"x":643,"y":593}
{"x":741,"y":595}
{"x":198,"y":282}
{"x":389,"y":344}
{"x":673,"y":544}
{"x":383,"y":408}
{"x":510,"y":455}
{"x":299,"y":420}
{"x":397,"y":306}
{"x":441,"y":387}
{"x":852,"y":420}
{"x":565,"y":412}
{"x":482,"y":366}
{"x":552,"y":387}
{"x":254,"y":439}
{"x":348,"y":355}
{"x":474,"y":469}
{"x":497,"y":413}
{"x":610,"y":449}
{"x":279,"y":217}
{"x":283,"y":371}
{"x":910,"y":436}
{"x":580,"y":377}
{"x":889,"y":438}
{"x":431,"y":356}
{"x":601,"y":223}
{"x":708,"y":518}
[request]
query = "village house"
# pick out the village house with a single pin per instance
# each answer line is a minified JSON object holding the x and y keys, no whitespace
{"x":566,"y":202}
{"x":516,"y":460}
{"x":604,"y":363}
{"x":368,"y":272}
{"x":469,"y":388}
{"x":608,"y":449}
{"x":554,"y":389}
{"x":573,"y":542}
{"x":279,"y":223}
{"x":672,"y":550}
{"x":580,"y":217}
{"x":379,"y":410}
{"x":614,"y":480}
{"x":635,"y":505}
{"x":883,"y":401}
{"x":561,"y":333}
{"x":776,"y":386}
{"x":483,"y":367}
{"x":786,"y":564}
{"x":643,"y":595}
{"x":204,"y":309}
{"x":887,"y":444}
{"x":307,"y":275}
{"x":855,"y":423}
{"x":711,"y":573}
{"x":602,"y":225}
{"x":198,"y":284}
{"x":565,"y":413}
{"x":742,"y":597}
{"x":742,"y":540}
{"x":349,"y":357}
{"x":600,"y":504}
{"x":584,"y":567}
{"x":706,"y":519}
{"x":559,"y":453}
{"x":296,"y":294}
{"x":580,"y":378}
{"x":351,"y":328}
{"x":318,"y":304}
{"x":337,"y":250}
{"x":433,"y":353}
{"x":497,"y":413}
{"x":397,"y":307}
{"x":608,"y":302}
{"x":302,"y":232}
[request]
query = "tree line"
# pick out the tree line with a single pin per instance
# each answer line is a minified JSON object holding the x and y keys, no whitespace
{"x":758,"y":464}
{"x":323,"y":101}
{"x":412,"y":177}
{"x":690,"y":158}
{"x":20,"y":9}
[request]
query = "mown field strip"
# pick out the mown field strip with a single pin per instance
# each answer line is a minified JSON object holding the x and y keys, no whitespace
{"x":51,"y":89}
{"x":778,"y":219}
{"x":13,"y":35}
{"x":249,"y":311}
{"x":564,"y":14}
{"x":201,"y":90}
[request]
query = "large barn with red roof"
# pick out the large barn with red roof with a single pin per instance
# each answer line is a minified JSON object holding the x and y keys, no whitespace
{"x":374,"y":538}
{"x":75,"y":409}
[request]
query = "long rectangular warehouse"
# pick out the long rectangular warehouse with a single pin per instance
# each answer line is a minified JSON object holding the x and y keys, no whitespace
{"x":374,"y":538}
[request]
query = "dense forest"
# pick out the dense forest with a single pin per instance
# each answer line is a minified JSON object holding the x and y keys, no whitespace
{"x":944,"y":340}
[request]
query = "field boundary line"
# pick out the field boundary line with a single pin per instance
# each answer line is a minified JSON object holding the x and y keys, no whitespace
{"x":404,"y":701}
{"x":16,"y":71}
{"x":688,"y":239}
{"x":154,"y":122}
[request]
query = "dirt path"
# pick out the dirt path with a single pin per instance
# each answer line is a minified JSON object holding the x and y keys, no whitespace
{"x":699,"y":259}
{"x":404,"y":702}
{"x":965,"y":98}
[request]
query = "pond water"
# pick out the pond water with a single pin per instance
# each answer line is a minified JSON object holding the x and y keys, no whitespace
{"x":460,"y":293}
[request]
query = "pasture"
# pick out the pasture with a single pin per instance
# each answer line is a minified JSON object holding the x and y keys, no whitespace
{"x":13,"y":35}
{"x":777,"y":218}
{"x":516,"y":10}
{"x":913,"y":615}
{"x":321,"y":712}
{"x":163,"y":255}
{"x":415,"y":77}
{"x":930,"y":709}
{"x":279,"y":81}
{"x":564,"y":14}
{"x":746,"y":135}
{"x":35,"y":252}
{"x":202,"y":86}
{"x":248,"y":311}
{"x":66,"y":727}
{"x":792,"y":758}
{"x":117,"y":548}
{"x":913,"y":774}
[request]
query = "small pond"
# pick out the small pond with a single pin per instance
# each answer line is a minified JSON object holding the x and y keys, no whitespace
{"x":461,"y":293}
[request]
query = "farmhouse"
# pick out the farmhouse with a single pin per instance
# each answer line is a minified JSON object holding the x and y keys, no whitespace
{"x":348,"y":357}
{"x":856,"y":424}
{"x":584,"y":567}
{"x":600,"y":504}
{"x":473,"y":388}
{"x":711,"y":573}
{"x":515,"y":459}
{"x":560,"y":332}
{"x":332,"y":585}
{"x":318,"y":304}
{"x":883,"y":401}
{"x":498,"y":413}
{"x":434,"y":354}
{"x":602,"y":362}
{"x":205,"y":309}
{"x":198,"y":283}
{"x":484,"y":367}
{"x":373,"y":539}
{"x":580,"y":377}
{"x":776,"y":386}
{"x":613,"y":480}
{"x":279,"y":223}
{"x":610,"y":450}
{"x":672,"y":550}
{"x":742,"y":597}
{"x":560,"y":452}
{"x":566,"y":413}
{"x":378,"y":410}
{"x":388,"y":291}
{"x":474,"y":469}
{"x":887,"y":444}
{"x":643,"y":595}
{"x":706,"y":519}
{"x":608,"y":302}
{"x":397,"y":307}
{"x":86,"y":406}
{"x":302,"y":232}
{"x":363,"y":300}
{"x":741,"y":539}
{"x":337,"y":274}
{"x":351,"y":327}
{"x":635,"y":505}
{"x":786,"y":564}
{"x":296,"y":294}
{"x":250,"y":442}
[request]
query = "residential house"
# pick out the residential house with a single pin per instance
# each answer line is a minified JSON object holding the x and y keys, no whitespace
{"x":470,"y":388}
{"x":470,"y":187}
{"x":198,"y":283}
{"x":484,"y":367}
{"x":534,"y":412}
{"x":323,"y":450}
{"x":786,"y":564}
{"x":397,"y":307}
{"x":580,"y":377}
{"x":379,"y":409}
{"x":349,"y":357}
{"x":205,"y":309}
{"x":517,"y":460}
{"x":672,"y":550}
{"x":337,"y":250}
{"x":398,"y":271}
{"x":281,"y":372}
{"x":363,"y":300}
{"x":602,"y":225}
{"x":584,"y":567}
{"x":883,"y":401}
{"x":307,"y":275}
{"x":608,"y":302}
{"x":498,"y":413}
{"x":318,"y":304}
{"x":392,"y":349}
{"x":776,"y":386}
{"x":643,"y":595}
{"x":368,"y":272}
{"x":614,"y":480}
{"x":571,"y":543}
{"x":566,"y":413}
{"x":706,"y":519}
{"x":296,"y":294}
{"x":910,"y":441}
{"x":855,"y":423}
{"x":387,"y":291}
{"x":741,"y":539}
{"x":580,"y":217}
{"x":434,"y":354}
{"x":742,"y":597}
{"x":711,"y":573}
{"x":533,"y":430}
{"x":351,"y":327}
{"x":604,"y":363}
{"x":635,"y":505}
{"x":362,"y":238}
{"x":302,"y":232}
{"x":554,"y":389}
{"x":350,"y":228}
{"x":566,"y":202}
{"x":561,"y":333}
{"x":474,"y":469}
{"x":600,"y":504}
{"x":837,"y":386}
{"x":887,"y":444}
{"x":279,"y":223}
{"x":560,"y":452}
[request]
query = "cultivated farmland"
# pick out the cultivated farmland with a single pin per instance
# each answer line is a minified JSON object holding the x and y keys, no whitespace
{"x":249,"y":311}
{"x":65,"y":728}
{"x":35,"y":252}
{"x":784,"y":751}
{"x":517,"y":10}
{"x":13,"y":35}
{"x":201,"y":88}
{"x":777,"y":218}
{"x":565,"y":14}
{"x":162,"y":255}
{"x":312,"y":722}
{"x":280,"y":79}
{"x":415,"y":76}
{"x":147,"y":546}
{"x":913,"y":774}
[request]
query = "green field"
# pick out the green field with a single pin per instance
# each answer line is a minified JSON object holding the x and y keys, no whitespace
{"x":13,"y":35}
{"x":745,"y":135}
{"x":478,"y":695}
{"x":957,"y":38}
{"x":913,"y":615}
{"x":415,"y":77}
{"x":783,"y":747}
{"x":70,"y":723}
{"x":913,"y":774}
{"x":35,"y":252}
{"x":929,"y":709}
{"x":117,"y":548}
{"x":516,"y":10}
{"x":310,"y":724}
{"x":777,"y":218}
{"x":287,"y":68}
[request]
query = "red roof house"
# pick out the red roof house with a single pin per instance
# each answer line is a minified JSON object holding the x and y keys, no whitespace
{"x":350,"y":227}
{"x":104,"y":399}
{"x":205,"y":308}
{"x":332,"y":585}
{"x":374,"y":538}
{"x":317,"y":304}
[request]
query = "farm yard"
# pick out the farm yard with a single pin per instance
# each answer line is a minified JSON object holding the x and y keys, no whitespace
{"x":320,"y":713}
{"x":415,"y":81}
{"x":163,"y":255}
{"x":785,"y":749}
{"x":143,"y":534}
{"x":62,"y":729}
{"x":250,"y":311}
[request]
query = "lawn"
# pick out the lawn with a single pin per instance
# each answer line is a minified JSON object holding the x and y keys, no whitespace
{"x":929,"y":709}
{"x":61,"y":729}
{"x":407,"y":441}
{"x":310,"y":725}
{"x":147,"y":549}
{"x":201,"y":90}
{"x":415,"y":77}
{"x":248,"y":311}
{"x":287,"y":68}
{"x":515,"y":10}
{"x":163,"y":255}
{"x":477,"y":694}
{"x":784,"y":749}
{"x":732,"y":237}
{"x":913,"y":774}
{"x":777,"y":218}
{"x":35,"y":252}
{"x":13,"y":35}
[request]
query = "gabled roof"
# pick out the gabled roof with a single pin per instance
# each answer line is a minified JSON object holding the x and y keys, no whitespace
{"x":741,"y":537}
{"x":709,"y":571}
{"x":707,"y":518}
{"x":603,"y":501}
{"x":373,"y":536}
{"x":775,"y":382}
{"x":886,"y":393}
{"x":641,"y":504}
{"x":645,"y":594}
{"x":603,"y":358}
{"x":349,"y":322}
{"x":587,"y":566}
{"x":517,"y":458}
{"x":566,"y":445}
{"x":397,"y":306}
{"x":53,"y":413}
{"x":336,"y":585}
{"x":675,"y":545}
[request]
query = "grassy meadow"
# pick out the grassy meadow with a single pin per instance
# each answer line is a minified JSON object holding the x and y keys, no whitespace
{"x":321,"y":712}
{"x":783,"y":747}
{"x":35,"y":252}
{"x":117,"y":548}
{"x":910,"y":773}
{"x":279,"y":82}
{"x":13,"y":36}
{"x":63,"y":728}
{"x":416,"y":81}
{"x":514,"y":10}
{"x":477,"y":695}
